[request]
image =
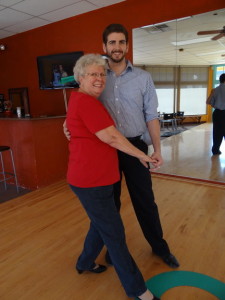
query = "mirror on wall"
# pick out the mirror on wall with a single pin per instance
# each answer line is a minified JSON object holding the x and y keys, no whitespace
{"x":176,"y":42}
{"x":178,"y":59}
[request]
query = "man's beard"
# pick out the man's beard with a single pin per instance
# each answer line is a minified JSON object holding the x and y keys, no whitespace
{"x":115,"y":60}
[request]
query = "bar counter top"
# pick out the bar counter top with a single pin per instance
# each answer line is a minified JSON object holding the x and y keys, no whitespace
{"x":13,"y":117}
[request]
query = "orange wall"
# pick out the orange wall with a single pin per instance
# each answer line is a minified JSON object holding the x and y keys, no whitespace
{"x":18,"y":64}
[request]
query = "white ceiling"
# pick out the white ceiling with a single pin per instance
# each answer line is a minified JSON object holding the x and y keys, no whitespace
{"x":17,"y":16}
{"x":157,"y":48}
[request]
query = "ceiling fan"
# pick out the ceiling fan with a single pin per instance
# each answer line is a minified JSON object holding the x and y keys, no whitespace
{"x":220,"y":33}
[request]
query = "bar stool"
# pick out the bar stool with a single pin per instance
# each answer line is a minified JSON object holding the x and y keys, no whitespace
{"x":7,"y":175}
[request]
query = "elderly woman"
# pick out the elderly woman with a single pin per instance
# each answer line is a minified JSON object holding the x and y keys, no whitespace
{"x":92,"y":171}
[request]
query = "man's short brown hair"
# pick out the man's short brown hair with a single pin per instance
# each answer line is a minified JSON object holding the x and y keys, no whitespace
{"x":114,"y":28}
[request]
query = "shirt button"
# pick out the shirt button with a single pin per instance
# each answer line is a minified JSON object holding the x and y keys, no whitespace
{"x":118,"y":111}
{"x":117,"y":99}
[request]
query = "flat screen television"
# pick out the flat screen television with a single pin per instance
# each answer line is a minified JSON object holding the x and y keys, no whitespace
{"x":52,"y":68}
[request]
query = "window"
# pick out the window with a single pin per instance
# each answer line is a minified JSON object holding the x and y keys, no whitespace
{"x":180,"y":88}
{"x":192,"y":99}
{"x":163,"y":78}
{"x":165,"y":96}
{"x":217,"y":71}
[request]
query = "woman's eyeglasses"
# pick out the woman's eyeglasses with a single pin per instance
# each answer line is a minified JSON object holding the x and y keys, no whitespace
{"x":95,"y":75}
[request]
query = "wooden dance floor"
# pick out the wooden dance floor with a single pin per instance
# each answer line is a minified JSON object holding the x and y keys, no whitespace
{"x":188,"y":155}
{"x":42,"y":232}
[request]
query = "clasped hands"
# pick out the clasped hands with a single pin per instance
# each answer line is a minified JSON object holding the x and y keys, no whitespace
{"x":155,"y":160}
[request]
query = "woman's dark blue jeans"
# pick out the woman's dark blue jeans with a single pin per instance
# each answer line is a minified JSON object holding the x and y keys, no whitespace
{"x":106,"y":228}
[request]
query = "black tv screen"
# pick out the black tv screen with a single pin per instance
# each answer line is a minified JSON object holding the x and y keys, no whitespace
{"x":52,"y":68}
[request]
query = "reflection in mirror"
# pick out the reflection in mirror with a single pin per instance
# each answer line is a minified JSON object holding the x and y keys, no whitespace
{"x":179,"y":59}
{"x":157,"y":44}
{"x":19,"y":98}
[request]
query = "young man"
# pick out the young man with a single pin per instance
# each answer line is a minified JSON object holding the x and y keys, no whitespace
{"x":131,"y":100}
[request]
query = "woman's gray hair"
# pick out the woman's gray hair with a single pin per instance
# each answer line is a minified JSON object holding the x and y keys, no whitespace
{"x":87,"y":60}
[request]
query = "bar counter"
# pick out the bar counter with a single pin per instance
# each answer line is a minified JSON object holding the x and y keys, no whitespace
{"x":39,"y":146}
{"x":34,"y":117}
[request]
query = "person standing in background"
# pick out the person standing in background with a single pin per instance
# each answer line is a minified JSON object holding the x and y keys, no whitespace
{"x":217,"y":100}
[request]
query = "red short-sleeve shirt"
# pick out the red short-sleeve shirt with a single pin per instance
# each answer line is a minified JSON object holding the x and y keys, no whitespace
{"x":91,"y":161}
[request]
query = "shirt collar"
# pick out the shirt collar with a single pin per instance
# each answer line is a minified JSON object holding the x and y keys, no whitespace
{"x":129,"y":67}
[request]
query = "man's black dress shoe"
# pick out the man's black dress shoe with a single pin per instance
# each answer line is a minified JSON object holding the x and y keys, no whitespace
{"x":99,"y":269}
{"x":155,"y":298}
{"x":170,"y":260}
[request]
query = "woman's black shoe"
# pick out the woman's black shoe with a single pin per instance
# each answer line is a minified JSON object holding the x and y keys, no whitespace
{"x":99,"y":269}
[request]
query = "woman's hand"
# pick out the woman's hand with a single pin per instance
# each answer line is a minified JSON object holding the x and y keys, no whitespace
{"x":66,"y":131}
{"x":147,"y":163}
{"x":157,"y":157}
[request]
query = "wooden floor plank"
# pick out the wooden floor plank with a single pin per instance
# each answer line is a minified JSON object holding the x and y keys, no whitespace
{"x":42,"y":235}
{"x":42,"y":232}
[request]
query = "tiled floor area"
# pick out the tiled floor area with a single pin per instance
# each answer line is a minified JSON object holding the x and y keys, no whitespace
{"x":11,"y":192}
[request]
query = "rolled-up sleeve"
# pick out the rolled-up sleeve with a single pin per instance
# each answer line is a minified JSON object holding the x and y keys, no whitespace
{"x":150,"y":100}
